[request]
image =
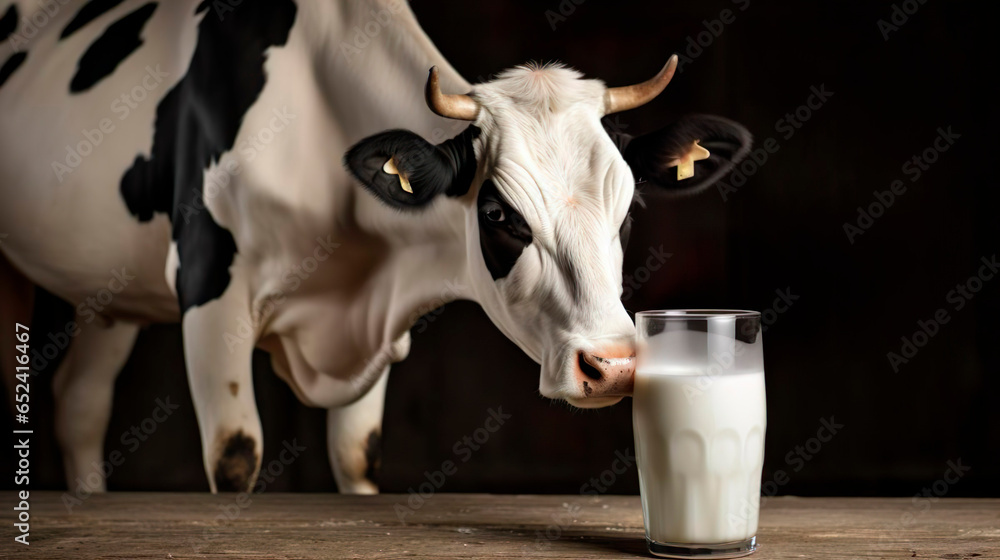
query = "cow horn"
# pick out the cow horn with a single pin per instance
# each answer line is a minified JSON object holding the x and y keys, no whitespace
{"x":629,"y":97}
{"x":460,"y":107}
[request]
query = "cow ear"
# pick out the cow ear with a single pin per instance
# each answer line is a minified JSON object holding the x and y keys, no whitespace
{"x":686,"y":156}
{"x":407,"y":172}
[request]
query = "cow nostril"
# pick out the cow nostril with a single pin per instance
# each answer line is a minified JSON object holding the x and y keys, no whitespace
{"x":587,"y":369}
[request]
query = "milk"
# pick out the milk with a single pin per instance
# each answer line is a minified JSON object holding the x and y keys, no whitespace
{"x":699,"y":431}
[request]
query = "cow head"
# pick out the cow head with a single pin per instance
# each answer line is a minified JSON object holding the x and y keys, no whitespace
{"x":547,"y":192}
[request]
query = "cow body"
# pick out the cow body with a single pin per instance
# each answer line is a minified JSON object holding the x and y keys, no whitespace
{"x":212,"y":192}
{"x":319,"y":271}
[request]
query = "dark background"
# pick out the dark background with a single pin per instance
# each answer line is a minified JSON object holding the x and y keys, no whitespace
{"x":826,"y":355}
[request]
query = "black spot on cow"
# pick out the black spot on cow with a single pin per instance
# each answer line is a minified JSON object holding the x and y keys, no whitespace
{"x":373,"y":456}
{"x":88,"y":13}
{"x":503,"y":232}
{"x":12,"y":64}
{"x":8,"y":23}
{"x":119,"y":40}
{"x":236,"y":464}
{"x":196,"y":122}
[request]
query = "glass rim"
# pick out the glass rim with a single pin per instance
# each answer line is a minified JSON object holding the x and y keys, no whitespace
{"x":687,"y":314}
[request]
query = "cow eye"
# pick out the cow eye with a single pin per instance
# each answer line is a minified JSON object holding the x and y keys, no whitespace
{"x":493,"y":212}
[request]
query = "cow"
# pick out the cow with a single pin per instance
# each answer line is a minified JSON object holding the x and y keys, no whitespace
{"x":304,"y":176}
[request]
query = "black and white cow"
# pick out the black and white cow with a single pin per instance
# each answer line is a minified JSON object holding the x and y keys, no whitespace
{"x":254,"y":171}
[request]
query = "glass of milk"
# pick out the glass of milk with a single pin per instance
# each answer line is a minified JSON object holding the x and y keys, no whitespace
{"x":699,"y":416}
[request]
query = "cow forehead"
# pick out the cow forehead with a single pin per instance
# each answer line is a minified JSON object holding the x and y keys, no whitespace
{"x":548,"y":112}
{"x":549,"y":154}
{"x":538,"y":90}
{"x":569,"y":150}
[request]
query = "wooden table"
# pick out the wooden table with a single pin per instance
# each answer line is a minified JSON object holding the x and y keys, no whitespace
{"x":152,"y":525}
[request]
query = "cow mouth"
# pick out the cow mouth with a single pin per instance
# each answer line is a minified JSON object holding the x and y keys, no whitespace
{"x":593,"y":402}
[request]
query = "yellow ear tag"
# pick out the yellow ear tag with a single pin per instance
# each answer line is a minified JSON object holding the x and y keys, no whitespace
{"x":390,"y":168}
{"x":685,"y":163}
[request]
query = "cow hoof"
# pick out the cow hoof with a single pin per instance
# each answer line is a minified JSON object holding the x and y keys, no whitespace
{"x":235,"y":468}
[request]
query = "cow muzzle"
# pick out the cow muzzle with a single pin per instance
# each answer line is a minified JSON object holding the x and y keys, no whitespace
{"x":603,"y":375}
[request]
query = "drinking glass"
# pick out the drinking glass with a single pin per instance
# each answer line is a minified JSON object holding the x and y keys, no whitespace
{"x":699,"y":416}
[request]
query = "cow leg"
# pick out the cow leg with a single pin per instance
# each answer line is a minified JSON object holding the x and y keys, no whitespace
{"x":219,"y":373}
{"x":84,"y":388}
{"x":353,"y":438}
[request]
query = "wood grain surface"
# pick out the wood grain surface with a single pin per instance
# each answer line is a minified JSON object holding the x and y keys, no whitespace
{"x":287,"y":526}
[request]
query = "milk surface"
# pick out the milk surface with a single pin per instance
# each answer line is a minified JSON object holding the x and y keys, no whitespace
{"x":699,"y":431}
